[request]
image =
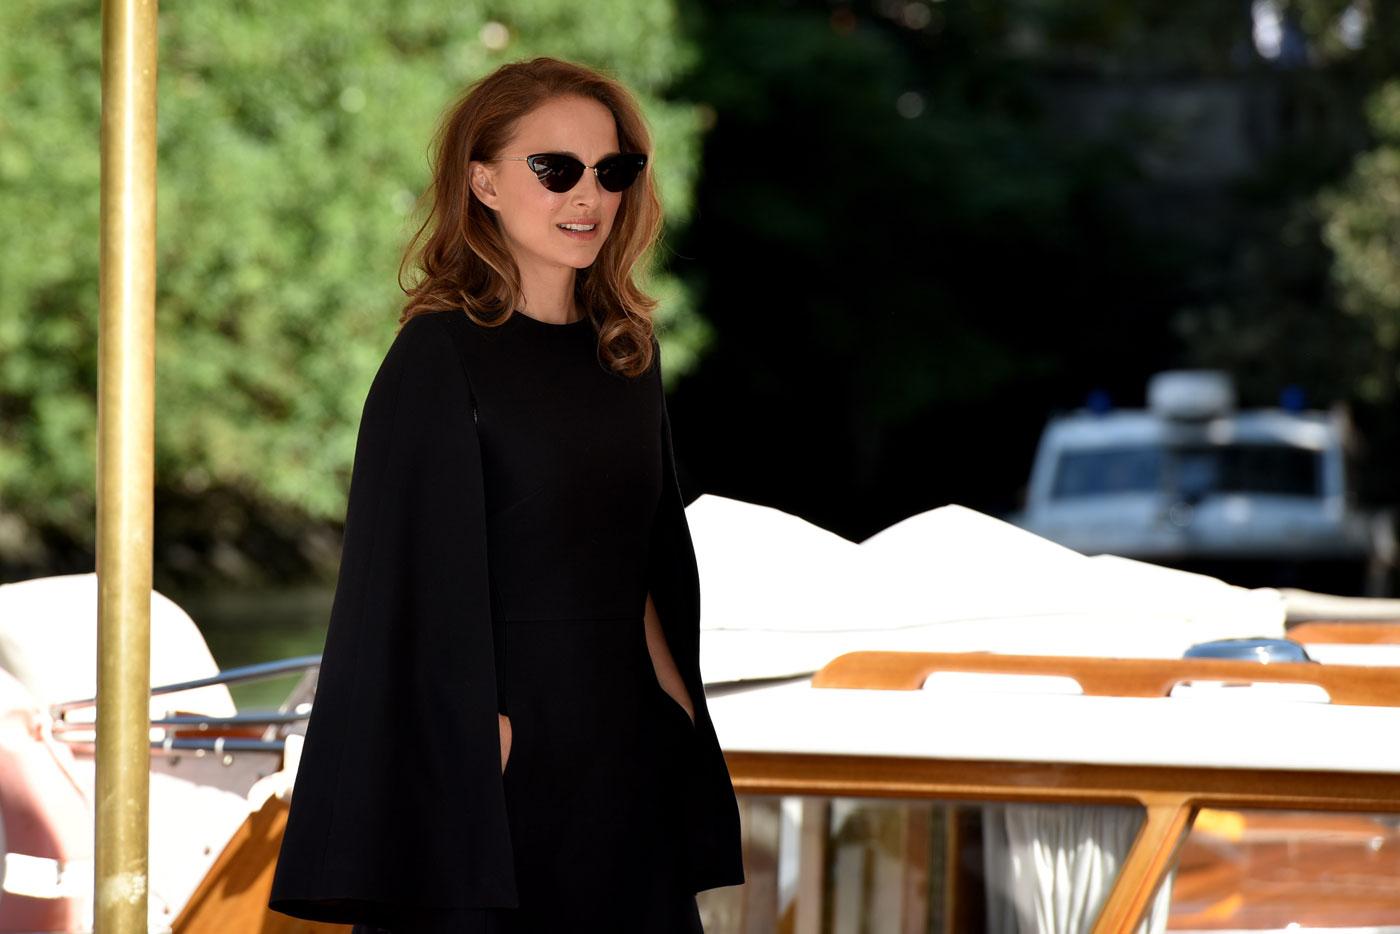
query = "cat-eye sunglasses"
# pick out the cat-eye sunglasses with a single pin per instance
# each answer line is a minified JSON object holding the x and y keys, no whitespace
{"x":560,"y":172}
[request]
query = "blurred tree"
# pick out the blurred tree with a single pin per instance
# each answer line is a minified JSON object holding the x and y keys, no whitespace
{"x":292,"y":142}
{"x":1304,"y":291}
{"x":967,"y":215}
{"x":882,"y":193}
{"x":1362,"y":226}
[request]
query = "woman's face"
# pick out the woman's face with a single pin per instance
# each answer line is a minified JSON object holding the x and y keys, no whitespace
{"x":529,"y":213}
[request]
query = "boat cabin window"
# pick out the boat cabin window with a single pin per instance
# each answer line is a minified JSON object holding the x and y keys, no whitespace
{"x":893,"y":865}
{"x":1276,"y":870}
{"x":875,"y":865}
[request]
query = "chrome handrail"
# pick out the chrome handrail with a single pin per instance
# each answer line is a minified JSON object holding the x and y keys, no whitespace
{"x":218,"y":745}
{"x":246,"y":718}
{"x":237,"y":675}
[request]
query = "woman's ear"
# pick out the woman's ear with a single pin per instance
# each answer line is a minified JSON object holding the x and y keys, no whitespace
{"x":483,"y":183}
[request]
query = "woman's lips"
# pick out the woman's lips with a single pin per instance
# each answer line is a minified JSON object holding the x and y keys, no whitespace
{"x":579,"y":234}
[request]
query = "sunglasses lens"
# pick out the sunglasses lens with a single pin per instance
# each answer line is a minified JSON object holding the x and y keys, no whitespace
{"x":617,"y":172}
{"x":557,"y":172}
{"x":560,"y":173}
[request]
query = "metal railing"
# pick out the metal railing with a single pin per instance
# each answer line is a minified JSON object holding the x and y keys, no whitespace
{"x":79,"y":733}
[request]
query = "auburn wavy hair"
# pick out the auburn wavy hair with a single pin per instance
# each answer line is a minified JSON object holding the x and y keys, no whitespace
{"x":460,"y":250}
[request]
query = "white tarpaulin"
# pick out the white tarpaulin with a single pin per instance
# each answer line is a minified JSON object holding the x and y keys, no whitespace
{"x":780,"y":596}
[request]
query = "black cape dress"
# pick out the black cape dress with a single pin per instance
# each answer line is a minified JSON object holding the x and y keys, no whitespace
{"x":511,"y":504}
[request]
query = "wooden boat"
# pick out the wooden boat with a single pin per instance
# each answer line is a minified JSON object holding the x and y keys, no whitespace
{"x":891,"y":789}
{"x":1131,"y":805}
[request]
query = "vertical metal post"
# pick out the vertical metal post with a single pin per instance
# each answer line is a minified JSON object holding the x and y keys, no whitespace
{"x":125,"y":465}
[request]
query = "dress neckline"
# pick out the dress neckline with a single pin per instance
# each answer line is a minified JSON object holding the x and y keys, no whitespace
{"x":562,"y":326}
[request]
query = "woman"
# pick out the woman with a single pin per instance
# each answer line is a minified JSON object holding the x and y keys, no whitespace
{"x":509,"y":730}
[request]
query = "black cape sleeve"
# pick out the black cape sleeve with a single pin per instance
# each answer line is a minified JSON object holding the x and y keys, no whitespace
{"x":673,"y":578}
{"x":398,"y":800}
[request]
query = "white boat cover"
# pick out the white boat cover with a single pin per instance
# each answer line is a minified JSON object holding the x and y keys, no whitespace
{"x":781,"y":596}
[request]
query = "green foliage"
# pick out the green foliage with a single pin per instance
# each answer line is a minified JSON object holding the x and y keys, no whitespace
{"x":1383,"y":113}
{"x":1362,"y":228}
{"x":292,"y":144}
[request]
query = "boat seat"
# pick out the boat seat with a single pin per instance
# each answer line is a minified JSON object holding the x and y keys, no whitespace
{"x":48,"y":641}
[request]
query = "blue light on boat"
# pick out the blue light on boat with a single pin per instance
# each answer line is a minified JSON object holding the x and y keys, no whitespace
{"x":1256,"y":650}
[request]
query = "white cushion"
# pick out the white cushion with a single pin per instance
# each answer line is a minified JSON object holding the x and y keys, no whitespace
{"x":48,"y":640}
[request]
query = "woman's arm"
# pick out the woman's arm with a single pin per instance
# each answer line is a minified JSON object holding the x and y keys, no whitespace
{"x":666,"y":672}
{"x":503,"y":722}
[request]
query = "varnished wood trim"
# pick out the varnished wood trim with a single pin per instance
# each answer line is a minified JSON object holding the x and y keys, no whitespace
{"x":1110,"y":677}
{"x":770,"y":773}
{"x":1329,"y":632}
{"x":813,"y":856}
{"x":761,"y":824}
{"x":1147,"y":863}
{"x":915,"y":866}
{"x":233,"y":894}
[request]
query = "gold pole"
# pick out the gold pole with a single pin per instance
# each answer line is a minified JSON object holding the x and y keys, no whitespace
{"x":125,"y":466}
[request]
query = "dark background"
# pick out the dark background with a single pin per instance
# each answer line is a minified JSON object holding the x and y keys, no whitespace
{"x":1088,"y":193}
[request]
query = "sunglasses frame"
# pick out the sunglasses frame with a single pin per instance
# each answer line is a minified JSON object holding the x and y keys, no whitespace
{"x":530,"y":161}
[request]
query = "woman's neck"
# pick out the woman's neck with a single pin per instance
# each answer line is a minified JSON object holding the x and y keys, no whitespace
{"x":548,"y":292}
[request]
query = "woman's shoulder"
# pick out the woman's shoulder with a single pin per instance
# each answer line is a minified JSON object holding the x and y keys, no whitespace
{"x":422,"y":354}
{"x":423,"y":329}
{"x":421,"y":380}
{"x":425,"y":339}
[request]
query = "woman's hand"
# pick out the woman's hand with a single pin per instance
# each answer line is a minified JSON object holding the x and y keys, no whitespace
{"x":503,"y":722}
{"x":661,"y":661}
